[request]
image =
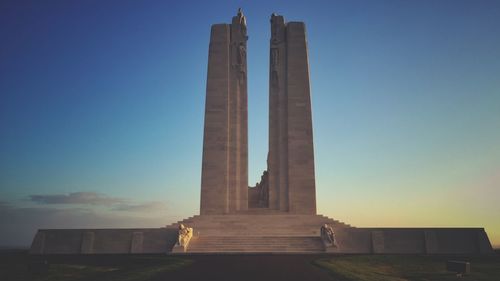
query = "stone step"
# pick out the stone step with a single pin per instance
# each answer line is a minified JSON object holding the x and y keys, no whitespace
{"x":257,"y":233}
{"x":259,"y":243}
{"x":250,"y":251}
{"x":249,"y":227}
{"x":259,"y":240}
{"x":263,"y":230}
{"x":246,"y":234}
{"x":256,"y":226}
{"x":266,"y":220}
{"x":272,"y":219}
{"x":254,"y":238}
{"x":259,"y":216}
{"x":259,"y":225}
{"x":254,"y":250}
{"x":261,"y":212}
{"x":255,"y":244}
{"x":243,"y":229}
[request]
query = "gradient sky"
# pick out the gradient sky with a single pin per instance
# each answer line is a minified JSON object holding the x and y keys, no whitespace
{"x":102,"y":102}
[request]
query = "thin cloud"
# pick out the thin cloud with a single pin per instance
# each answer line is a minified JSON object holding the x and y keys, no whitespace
{"x":98,"y":199}
{"x":19,"y":224}
{"x":83,"y":198}
{"x":142,"y":207}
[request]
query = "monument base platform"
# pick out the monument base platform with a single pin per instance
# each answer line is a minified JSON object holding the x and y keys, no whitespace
{"x":252,"y":232}
{"x":284,"y":233}
{"x":258,"y":233}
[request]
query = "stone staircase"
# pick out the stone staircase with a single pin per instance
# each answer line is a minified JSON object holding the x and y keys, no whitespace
{"x":257,"y":232}
{"x":255,"y":244}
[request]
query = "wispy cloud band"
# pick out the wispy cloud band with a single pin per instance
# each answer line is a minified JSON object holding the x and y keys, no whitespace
{"x":98,"y":199}
{"x":84,"y":198}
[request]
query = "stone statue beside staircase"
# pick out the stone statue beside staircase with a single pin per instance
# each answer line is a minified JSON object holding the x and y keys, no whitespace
{"x":185,"y":234}
{"x":328,"y":236}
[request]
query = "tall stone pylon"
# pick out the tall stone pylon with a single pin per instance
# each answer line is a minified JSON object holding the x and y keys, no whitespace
{"x":291,"y":180}
{"x":224,"y":179}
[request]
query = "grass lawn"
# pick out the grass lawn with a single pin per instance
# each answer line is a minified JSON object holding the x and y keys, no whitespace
{"x":21,"y":266}
{"x":123,"y":268}
{"x":408,"y":267}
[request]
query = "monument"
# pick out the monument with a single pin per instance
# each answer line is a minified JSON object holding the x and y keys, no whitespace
{"x":290,"y":184}
{"x":278,"y":215}
{"x":224,"y":177}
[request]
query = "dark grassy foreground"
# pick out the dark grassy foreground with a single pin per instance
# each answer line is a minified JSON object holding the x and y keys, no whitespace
{"x":408,"y":267}
{"x":18,"y":265}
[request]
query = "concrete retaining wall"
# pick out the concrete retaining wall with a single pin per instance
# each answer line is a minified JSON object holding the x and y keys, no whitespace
{"x":349,"y":240}
{"x":413,"y":241}
{"x":104,"y":241}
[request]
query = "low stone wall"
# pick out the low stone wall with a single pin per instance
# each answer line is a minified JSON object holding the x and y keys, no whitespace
{"x":413,"y":241}
{"x":349,"y":240}
{"x":104,"y":241}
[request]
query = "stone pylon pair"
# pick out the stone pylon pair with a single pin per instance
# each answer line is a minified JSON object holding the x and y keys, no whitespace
{"x":288,"y":185}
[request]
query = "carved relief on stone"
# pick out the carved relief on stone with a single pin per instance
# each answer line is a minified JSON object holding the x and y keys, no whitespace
{"x":328,"y":236}
{"x":264,"y":190}
{"x":259,"y":194}
{"x":185,"y":234}
{"x":275,"y":84}
{"x":241,"y":58}
{"x":242,"y":54}
{"x":276,"y":34}
{"x":275,"y":58}
{"x":243,"y":23}
{"x":276,"y":29}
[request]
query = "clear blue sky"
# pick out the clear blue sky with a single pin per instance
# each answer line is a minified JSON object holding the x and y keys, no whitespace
{"x":101,"y":110}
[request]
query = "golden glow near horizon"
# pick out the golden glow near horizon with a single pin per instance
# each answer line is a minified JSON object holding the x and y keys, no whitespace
{"x":472,"y":205}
